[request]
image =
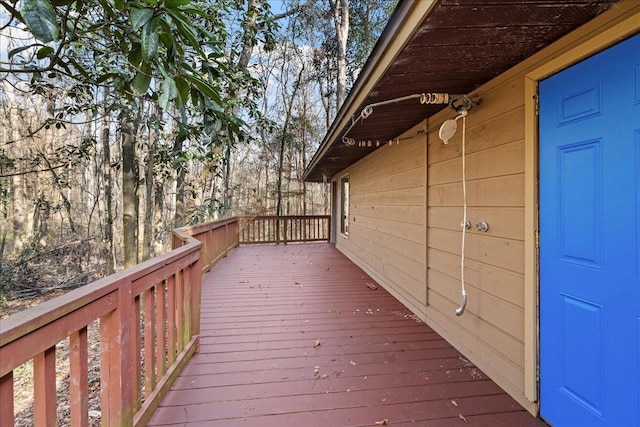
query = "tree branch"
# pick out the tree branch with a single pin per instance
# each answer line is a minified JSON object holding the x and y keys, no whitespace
{"x":52,"y":168}
{"x":297,"y":9}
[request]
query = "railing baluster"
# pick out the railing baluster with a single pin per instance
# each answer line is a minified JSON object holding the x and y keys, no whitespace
{"x":179,"y":310}
{"x":137,"y":344}
{"x":171,"y":319}
{"x":268,"y":232}
{"x":6,"y":400}
{"x":196,"y":296}
{"x":149,"y":341}
{"x":79,"y":378}
{"x":186,"y":306}
{"x":44,"y":388}
{"x":161,"y":351}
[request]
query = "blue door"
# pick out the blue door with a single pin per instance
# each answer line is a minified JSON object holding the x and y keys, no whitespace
{"x":590,"y":241}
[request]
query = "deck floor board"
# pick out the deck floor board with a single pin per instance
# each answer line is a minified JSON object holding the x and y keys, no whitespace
{"x":293,"y":336}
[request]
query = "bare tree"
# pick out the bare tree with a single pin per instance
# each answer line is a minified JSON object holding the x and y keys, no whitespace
{"x":340,"y":13}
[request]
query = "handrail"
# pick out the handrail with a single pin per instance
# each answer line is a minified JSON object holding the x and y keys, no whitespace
{"x":284,"y":229}
{"x":151,"y":309}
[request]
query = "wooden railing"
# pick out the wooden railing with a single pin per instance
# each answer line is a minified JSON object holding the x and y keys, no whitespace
{"x":284,"y":229}
{"x":149,"y":317}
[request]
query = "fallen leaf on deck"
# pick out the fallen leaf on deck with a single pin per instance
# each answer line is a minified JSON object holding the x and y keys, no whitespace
{"x":317,"y":344}
{"x":454,"y":403}
{"x":462,"y":418}
{"x":382,"y":422}
{"x":372,"y":286}
{"x":353,"y":363}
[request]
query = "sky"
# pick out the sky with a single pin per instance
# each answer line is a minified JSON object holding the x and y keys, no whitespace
{"x":277,"y":6}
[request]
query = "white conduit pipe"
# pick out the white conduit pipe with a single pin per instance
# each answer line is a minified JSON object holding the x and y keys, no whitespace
{"x":457,"y":103}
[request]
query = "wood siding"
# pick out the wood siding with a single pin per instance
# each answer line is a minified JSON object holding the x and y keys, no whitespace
{"x":387,"y":236}
{"x":406,"y":232}
{"x":492,"y":327}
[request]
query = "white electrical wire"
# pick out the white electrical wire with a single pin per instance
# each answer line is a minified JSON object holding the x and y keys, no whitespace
{"x":463,"y":304}
{"x":464,"y":202}
{"x":458,"y":103}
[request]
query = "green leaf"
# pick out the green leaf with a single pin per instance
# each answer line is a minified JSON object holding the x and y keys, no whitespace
{"x":104,"y":77}
{"x":107,"y":6}
{"x":139,"y":17}
{"x":184,"y":29}
{"x":18,"y":50}
{"x":44,"y":51}
{"x":183,"y":89}
{"x":163,"y":100}
{"x":168,"y":91}
{"x":41,"y":19}
{"x":150,"y":40}
{"x":142,"y":80}
{"x":79,"y":67}
{"x":204,"y":87}
{"x":135,"y":55}
{"x":176,"y":3}
{"x":167,"y":40}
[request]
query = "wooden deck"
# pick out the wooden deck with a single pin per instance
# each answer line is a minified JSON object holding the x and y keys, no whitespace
{"x":294,"y":336}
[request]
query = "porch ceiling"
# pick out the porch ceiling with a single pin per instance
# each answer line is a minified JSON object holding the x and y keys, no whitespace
{"x":457,"y":47}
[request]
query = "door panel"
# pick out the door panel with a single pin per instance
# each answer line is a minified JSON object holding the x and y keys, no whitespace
{"x":590,"y":241}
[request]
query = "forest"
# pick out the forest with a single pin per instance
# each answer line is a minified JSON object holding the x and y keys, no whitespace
{"x":121,"y":120}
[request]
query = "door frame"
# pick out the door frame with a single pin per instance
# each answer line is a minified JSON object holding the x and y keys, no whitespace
{"x":601,"y":33}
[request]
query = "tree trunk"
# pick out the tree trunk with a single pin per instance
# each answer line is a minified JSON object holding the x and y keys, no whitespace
{"x":65,"y":197}
{"x":283,"y":138}
{"x":129,"y":220}
{"x":109,"y":253}
{"x":250,"y":28}
{"x":340,"y":11}
{"x":227,"y":196}
{"x":148,"y":238}
{"x":179,"y":219}
{"x":158,"y":216}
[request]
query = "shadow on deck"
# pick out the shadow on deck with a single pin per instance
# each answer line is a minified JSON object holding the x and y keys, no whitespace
{"x":293,"y":336}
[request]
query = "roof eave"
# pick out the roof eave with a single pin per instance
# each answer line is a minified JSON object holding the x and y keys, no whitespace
{"x":404,"y":21}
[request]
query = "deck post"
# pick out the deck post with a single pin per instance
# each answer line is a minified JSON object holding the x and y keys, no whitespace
{"x":286,"y":222}
{"x":6,"y":400}
{"x":117,"y":362}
